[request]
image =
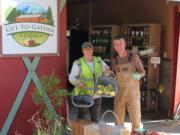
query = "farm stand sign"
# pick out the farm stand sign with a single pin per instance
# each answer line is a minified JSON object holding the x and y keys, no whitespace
{"x":29,"y":27}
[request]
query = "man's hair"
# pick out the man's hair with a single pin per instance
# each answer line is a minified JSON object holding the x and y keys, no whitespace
{"x":120,"y":37}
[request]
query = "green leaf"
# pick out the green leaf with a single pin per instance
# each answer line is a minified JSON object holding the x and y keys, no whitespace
{"x":58,"y":102}
{"x":50,"y":86}
{"x":48,"y":114}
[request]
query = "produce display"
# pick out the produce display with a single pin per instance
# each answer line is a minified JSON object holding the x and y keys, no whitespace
{"x":105,"y":89}
{"x":142,"y":131}
{"x":82,"y":97}
{"x":101,"y":90}
{"x":79,"y":92}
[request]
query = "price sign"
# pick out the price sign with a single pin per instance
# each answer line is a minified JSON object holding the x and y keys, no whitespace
{"x":155,"y":60}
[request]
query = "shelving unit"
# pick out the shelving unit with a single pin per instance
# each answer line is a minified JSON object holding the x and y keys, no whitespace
{"x":101,"y":36}
{"x":142,"y":37}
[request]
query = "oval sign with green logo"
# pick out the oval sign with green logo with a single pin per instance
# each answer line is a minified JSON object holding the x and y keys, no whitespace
{"x":29,"y":24}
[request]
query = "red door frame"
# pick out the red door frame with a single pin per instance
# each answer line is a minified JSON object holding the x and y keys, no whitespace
{"x":175,"y":94}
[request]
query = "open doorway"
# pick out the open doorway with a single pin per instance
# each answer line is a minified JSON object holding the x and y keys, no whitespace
{"x":75,"y":39}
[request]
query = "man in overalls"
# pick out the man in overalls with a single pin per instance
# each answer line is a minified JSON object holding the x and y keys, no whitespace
{"x":84,"y":73}
{"x":129,"y":70}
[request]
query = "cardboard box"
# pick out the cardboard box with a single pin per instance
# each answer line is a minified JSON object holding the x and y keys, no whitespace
{"x":125,"y":131}
{"x":91,"y":129}
{"x":77,"y":126}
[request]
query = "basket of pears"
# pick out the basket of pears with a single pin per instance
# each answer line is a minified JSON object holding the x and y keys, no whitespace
{"x":79,"y":92}
{"x":82,"y":97}
{"x":105,"y":90}
{"x":106,"y":86}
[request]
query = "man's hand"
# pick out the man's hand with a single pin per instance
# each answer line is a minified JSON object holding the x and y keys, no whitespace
{"x":136,"y":76}
{"x":108,"y":72}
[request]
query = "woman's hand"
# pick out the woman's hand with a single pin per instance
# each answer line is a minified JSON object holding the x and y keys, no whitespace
{"x":82,"y":85}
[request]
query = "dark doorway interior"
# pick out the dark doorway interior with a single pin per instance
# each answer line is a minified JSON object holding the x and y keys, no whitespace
{"x":75,"y":40}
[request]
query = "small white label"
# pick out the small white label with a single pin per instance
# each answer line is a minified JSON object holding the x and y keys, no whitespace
{"x":165,"y":55}
{"x":68,"y":33}
{"x":155,"y":60}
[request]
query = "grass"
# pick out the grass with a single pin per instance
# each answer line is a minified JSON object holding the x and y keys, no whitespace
{"x":24,"y":38}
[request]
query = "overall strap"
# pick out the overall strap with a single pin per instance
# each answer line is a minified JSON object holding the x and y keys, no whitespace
{"x":116,"y":59}
{"x":129,"y":57}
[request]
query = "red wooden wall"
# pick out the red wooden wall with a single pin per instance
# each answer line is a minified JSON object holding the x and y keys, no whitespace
{"x":175,"y":94}
{"x":12,"y":75}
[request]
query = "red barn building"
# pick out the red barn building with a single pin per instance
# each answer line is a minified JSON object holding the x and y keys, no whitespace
{"x":13,"y":73}
{"x":31,"y":18}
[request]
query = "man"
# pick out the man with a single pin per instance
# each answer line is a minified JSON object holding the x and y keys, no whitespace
{"x":129,"y":70}
{"x":83,"y":75}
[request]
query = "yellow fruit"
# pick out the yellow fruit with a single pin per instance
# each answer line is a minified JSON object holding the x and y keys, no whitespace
{"x":106,"y":92}
{"x":112,"y":93}
{"x":100,"y":86}
{"x":89,"y":92}
{"x":99,"y":92}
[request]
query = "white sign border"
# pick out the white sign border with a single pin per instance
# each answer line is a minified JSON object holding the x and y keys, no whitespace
{"x":46,"y":49}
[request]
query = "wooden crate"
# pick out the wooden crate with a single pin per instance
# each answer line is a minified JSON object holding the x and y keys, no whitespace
{"x":125,"y":132}
{"x":77,"y":126}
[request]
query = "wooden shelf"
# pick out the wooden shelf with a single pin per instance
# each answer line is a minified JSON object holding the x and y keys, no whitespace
{"x":151,"y":39}
{"x":104,"y":33}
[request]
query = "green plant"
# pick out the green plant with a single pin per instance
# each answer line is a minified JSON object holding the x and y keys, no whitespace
{"x":44,"y":120}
